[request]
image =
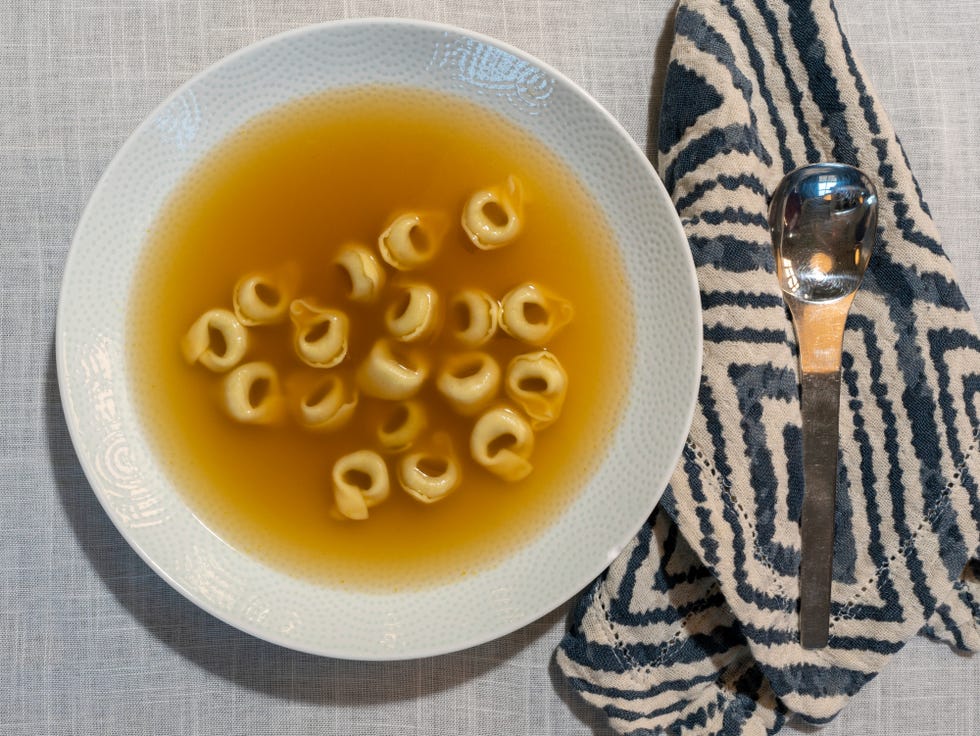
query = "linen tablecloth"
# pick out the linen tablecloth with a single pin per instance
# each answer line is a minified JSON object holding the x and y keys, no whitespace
{"x":91,"y":640}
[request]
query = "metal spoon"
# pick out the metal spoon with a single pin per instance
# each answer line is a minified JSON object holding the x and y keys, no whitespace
{"x":823,"y":219}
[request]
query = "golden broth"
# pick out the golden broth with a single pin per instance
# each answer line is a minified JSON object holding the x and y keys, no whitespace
{"x":295,"y":184}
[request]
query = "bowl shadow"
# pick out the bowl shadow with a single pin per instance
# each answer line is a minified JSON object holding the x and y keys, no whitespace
{"x":223,"y":650}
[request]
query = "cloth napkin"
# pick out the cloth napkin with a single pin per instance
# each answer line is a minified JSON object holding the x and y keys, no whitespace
{"x":694,"y":628}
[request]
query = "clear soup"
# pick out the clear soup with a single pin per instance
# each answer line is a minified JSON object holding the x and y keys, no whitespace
{"x":294,"y":185}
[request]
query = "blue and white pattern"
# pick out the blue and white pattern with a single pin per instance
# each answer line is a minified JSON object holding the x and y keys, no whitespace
{"x":694,"y":629}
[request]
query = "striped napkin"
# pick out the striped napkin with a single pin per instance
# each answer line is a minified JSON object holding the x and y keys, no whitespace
{"x":694,"y":628}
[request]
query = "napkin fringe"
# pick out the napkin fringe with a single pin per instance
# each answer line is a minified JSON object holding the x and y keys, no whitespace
{"x":696,"y":676}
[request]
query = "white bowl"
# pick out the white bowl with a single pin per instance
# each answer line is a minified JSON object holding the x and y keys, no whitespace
{"x":150,"y":512}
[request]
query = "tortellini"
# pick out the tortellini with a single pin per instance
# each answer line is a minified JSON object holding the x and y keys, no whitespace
{"x":469,"y":381}
{"x":360,"y":482}
{"x":502,"y":442}
{"x":216,"y":340}
{"x":263,"y":298}
{"x":403,"y":425}
{"x":494,"y":217}
{"x":414,"y":315}
{"x":385,"y":374}
{"x":328,"y":405}
{"x":475,"y":316}
{"x":537,"y":382}
{"x":252,"y":394}
{"x":320,"y":333}
{"x":365,"y":276}
{"x":534,"y":314}
{"x":393,"y":358}
{"x":430,"y":476}
{"x":411,"y":240}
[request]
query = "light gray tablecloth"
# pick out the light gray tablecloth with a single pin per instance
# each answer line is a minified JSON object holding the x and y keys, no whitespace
{"x":92,"y":641}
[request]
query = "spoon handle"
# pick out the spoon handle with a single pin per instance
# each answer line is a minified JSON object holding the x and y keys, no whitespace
{"x":820,"y":408}
{"x":820,"y":333}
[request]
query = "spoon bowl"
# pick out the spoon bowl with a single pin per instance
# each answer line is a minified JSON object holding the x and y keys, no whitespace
{"x":823,"y":220}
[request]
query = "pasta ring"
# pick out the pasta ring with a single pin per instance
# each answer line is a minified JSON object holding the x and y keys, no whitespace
{"x":534,"y":314}
{"x":360,"y":482}
{"x":328,"y":405}
{"x":365,"y":275}
{"x":320,"y":334}
{"x":405,"y":422}
{"x":476,"y":316}
{"x":263,"y":298}
{"x":414,"y":315}
{"x":469,"y":381}
{"x":502,"y":442}
{"x":411,"y":239}
{"x":252,"y":394}
{"x":429,"y":476}
{"x":493,"y":217}
{"x":386,"y":375}
{"x":197,"y":344}
{"x":538,"y":383}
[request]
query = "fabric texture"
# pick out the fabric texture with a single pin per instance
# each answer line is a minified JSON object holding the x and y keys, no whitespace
{"x":92,"y":641}
{"x":694,"y":629}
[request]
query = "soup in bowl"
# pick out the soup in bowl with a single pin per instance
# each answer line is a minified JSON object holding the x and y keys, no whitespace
{"x":375,"y":325}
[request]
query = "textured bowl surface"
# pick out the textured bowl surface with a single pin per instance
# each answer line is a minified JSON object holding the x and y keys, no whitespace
{"x":114,"y":448}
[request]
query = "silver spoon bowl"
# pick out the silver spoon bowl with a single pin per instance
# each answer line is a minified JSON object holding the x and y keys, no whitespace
{"x":823,"y":219}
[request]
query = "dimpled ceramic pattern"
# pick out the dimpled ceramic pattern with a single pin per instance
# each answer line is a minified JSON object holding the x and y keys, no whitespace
{"x":133,"y":485}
